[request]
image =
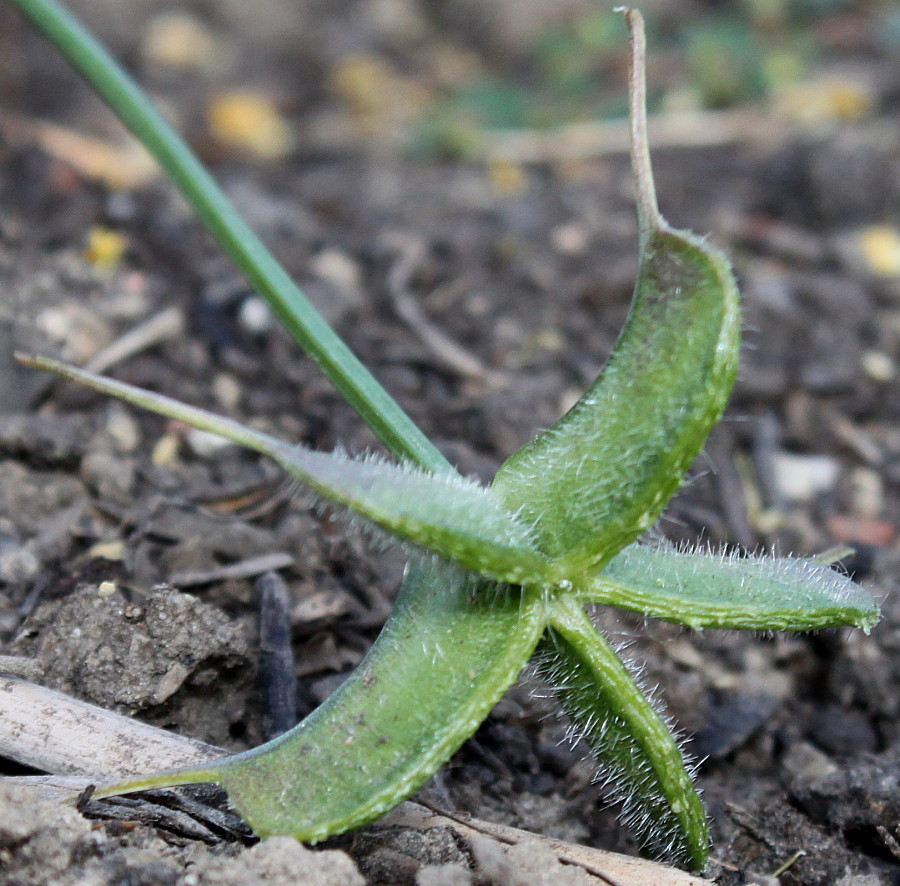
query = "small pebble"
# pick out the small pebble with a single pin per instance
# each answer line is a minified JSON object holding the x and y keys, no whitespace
{"x":21,"y":666}
{"x":878,"y":366}
{"x":843,"y":731}
{"x":805,"y":765}
{"x":337,"y":268}
{"x":569,"y":239}
{"x":757,"y":879}
{"x":107,"y":550}
{"x":227,"y":391}
{"x":731,"y":723}
{"x":17,"y":563}
{"x":180,"y":40}
{"x":249,"y":122}
{"x":254,"y":315}
{"x":170,"y":682}
{"x":800,"y":478}
{"x":443,"y":875}
{"x":204,"y":444}
{"x":123,"y":428}
{"x":320,"y":606}
{"x":867,"y":493}
{"x":79,"y":330}
{"x":880,"y":248}
{"x":111,"y":475}
{"x":337,"y":292}
{"x":165,"y":451}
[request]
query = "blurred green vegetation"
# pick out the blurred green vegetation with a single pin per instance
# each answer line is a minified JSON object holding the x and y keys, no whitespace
{"x":738,"y":52}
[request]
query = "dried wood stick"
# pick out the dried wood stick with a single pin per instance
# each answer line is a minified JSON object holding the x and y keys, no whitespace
{"x":450,"y":353}
{"x":624,"y":870}
{"x":249,"y":568}
{"x":165,"y":325}
{"x":56,"y":733}
{"x":78,"y":742}
{"x":599,"y":138}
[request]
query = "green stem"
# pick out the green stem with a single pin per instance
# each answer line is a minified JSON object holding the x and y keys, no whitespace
{"x":375,"y":406}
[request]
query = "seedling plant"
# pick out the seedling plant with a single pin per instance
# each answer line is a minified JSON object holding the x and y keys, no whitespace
{"x":499,"y":575}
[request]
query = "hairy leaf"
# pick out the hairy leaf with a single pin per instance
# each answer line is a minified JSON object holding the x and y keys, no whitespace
{"x":729,"y":590}
{"x":443,"y":660}
{"x":443,"y":513}
{"x":639,"y":758}
{"x":599,"y":476}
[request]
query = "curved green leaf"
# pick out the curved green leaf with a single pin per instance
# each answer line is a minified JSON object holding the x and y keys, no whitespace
{"x":443,"y":513}
{"x":446,"y":655}
{"x":599,"y":476}
{"x":729,"y":590}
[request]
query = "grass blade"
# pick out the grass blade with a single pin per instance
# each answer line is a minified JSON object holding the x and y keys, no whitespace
{"x":374,"y":405}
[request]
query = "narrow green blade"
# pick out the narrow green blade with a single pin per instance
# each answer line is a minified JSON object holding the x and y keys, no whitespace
{"x":339,"y":365}
{"x":727,"y":590}
{"x":443,"y":513}
{"x":639,"y":758}
{"x":599,"y":476}
{"x":446,"y":655}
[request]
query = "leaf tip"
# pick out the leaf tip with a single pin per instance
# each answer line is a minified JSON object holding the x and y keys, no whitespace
{"x":26,"y":359}
{"x":649,"y":217}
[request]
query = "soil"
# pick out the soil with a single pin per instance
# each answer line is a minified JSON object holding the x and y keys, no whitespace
{"x":115,"y":526}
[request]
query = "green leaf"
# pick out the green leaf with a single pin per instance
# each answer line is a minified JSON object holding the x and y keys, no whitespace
{"x":730,"y":590}
{"x":599,"y":476}
{"x":443,"y":513}
{"x":640,"y":760}
{"x":446,"y":655}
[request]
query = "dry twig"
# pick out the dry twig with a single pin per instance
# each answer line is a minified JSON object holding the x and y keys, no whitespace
{"x":579,"y":141}
{"x":249,"y":568}
{"x":82,"y":742}
{"x":167,"y":324}
{"x":449,"y":352}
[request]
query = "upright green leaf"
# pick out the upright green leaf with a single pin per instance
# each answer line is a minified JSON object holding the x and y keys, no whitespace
{"x":441,"y":512}
{"x":727,"y":590}
{"x":599,"y":476}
